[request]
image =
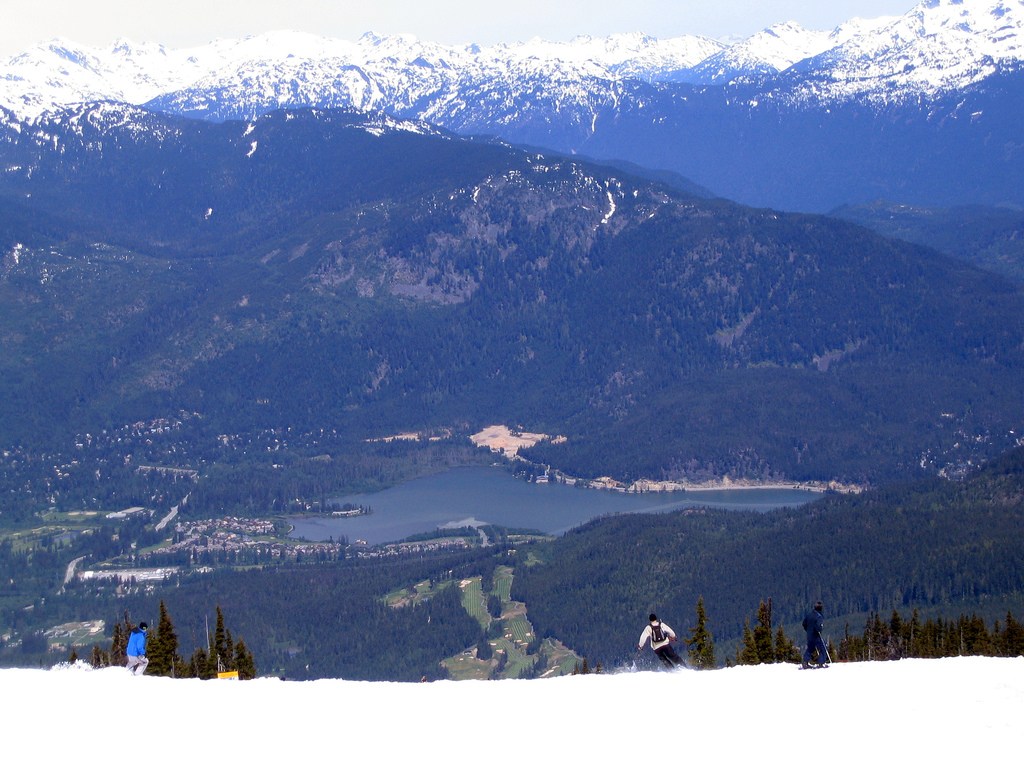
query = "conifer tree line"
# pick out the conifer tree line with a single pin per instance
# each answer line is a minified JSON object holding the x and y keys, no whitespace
{"x":584,"y":668}
{"x":896,"y":639}
{"x":222,"y":653}
{"x":763,"y":646}
{"x":901,"y":638}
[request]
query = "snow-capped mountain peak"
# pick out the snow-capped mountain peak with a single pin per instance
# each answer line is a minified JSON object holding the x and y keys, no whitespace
{"x":628,"y":55}
{"x":938,"y":46}
{"x":58,"y":73}
{"x":376,"y":71}
{"x":765,"y":53}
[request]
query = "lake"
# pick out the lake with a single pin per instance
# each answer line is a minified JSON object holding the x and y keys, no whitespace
{"x":474,"y":495}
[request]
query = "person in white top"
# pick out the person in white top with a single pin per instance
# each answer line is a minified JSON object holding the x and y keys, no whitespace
{"x":661,"y":636}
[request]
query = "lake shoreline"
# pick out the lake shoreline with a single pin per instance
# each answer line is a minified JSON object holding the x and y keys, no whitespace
{"x":661,"y":486}
{"x":503,"y":441}
{"x":492,"y":495}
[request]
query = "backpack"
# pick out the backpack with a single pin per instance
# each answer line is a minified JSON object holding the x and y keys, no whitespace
{"x":657,"y":633}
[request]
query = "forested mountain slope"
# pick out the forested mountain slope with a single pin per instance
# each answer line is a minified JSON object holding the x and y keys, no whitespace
{"x":988,"y":237}
{"x":921,"y":545}
{"x":327,"y":270}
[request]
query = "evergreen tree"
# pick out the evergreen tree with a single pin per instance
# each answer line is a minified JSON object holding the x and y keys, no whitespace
{"x":785,"y":649}
{"x":244,"y":662}
{"x":850,"y":647}
{"x":100,"y":658}
{"x":484,"y":651}
{"x":950,"y":640}
{"x":975,"y":639}
{"x":876,"y":638}
{"x":494,"y":606}
{"x":212,"y":667}
{"x":897,"y":647}
{"x":119,"y":645}
{"x":748,"y":653}
{"x":912,"y":632}
{"x":700,"y":643}
{"x":162,"y":649}
{"x":198,"y":665}
{"x":931,"y":639}
{"x":1013,"y":637}
{"x":220,"y":656}
{"x":763,"y":633}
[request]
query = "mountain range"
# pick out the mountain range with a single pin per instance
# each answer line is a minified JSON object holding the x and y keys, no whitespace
{"x":921,"y":108}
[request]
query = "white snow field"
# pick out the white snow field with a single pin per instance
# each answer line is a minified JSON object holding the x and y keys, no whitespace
{"x":945,"y":712}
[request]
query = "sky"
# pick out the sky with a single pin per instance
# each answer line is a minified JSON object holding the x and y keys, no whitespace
{"x":939,"y":712}
{"x":188,"y":23}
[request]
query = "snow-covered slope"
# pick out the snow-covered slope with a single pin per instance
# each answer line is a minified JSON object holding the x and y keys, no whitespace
{"x":58,"y":73}
{"x":764,"y":54}
{"x":946,"y":712}
{"x":937,"y":46}
{"x":296,"y":69}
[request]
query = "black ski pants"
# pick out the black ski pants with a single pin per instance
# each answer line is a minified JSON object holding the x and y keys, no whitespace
{"x":668,"y":656}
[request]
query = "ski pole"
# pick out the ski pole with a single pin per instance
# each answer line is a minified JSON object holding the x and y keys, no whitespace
{"x":635,"y":657}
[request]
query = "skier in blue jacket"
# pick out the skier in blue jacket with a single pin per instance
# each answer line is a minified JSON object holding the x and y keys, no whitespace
{"x":136,"y":650}
{"x":813,"y":623}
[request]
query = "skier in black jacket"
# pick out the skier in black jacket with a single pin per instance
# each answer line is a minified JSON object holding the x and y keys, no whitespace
{"x":814,"y":621}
